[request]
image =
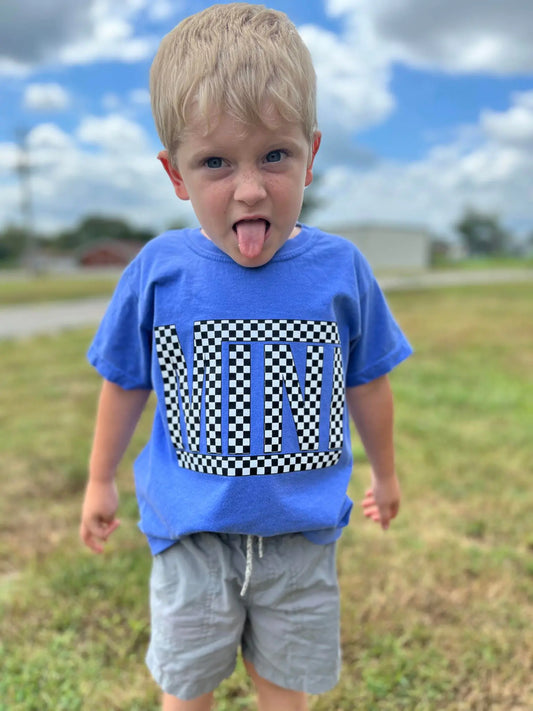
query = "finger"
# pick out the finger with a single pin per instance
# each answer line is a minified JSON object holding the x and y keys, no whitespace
{"x":372,"y":513}
{"x":94,"y":546}
{"x":109,"y":528}
{"x":94,"y":535}
{"x":370,"y":510}
{"x":388,"y":514}
{"x":368,"y":501}
{"x":90,"y":540}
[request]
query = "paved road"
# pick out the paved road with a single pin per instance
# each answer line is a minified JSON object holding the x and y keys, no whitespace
{"x":33,"y":319}
{"x":436,"y":280}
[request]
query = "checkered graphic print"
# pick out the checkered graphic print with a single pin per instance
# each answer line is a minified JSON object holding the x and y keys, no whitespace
{"x":239,"y":399}
{"x":257,"y":466}
{"x":279,"y":371}
{"x":208,"y":333}
{"x":208,"y":367}
{"x":174,"y":373}
{"x":184,"y":405}
{"x":336,"y":417}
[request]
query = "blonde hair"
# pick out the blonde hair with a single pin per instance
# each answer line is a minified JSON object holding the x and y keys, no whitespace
{"x":237,"y":59}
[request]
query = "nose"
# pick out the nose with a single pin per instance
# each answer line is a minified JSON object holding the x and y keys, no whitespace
{"x":249,"y":187}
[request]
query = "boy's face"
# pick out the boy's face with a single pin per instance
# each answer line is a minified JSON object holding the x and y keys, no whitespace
{"x":245,"y":183}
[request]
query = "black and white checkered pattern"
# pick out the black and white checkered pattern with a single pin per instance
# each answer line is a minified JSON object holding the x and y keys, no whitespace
{"x":208,"y":368}
{"x":239,"y":398}
{"x":257,"y":466}
{"x":336,"y":416}
{"x":273,"y":397}
{"x":211,"y":333}
{"x":208,"y":365}
{"x":308,"y":426}
{"x":174,"y":373}
{"x":280,"y":370}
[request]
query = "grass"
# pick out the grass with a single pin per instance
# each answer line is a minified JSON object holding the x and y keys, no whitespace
{"x":21,"y":289}
{"x":437,"y":613}
{"x":484,"y":262}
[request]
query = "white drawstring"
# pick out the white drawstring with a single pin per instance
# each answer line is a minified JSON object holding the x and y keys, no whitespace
{"x":250,"y":560}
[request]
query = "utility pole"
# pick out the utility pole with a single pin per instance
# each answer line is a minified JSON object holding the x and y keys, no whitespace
{"x":24,"y":171}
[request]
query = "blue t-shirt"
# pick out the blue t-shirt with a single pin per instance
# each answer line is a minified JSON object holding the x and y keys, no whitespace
{"x":249,"y":365}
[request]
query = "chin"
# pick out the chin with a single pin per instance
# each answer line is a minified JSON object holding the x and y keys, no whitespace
{"x":252,"y":263}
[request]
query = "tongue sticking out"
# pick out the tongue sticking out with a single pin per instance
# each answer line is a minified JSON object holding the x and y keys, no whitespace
{"x":251,"y":237}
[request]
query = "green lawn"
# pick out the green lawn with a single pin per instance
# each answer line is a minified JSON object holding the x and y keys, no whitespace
{"x":54,"y":287}
{"x":486,"y":262}
{"x":437,"y":612}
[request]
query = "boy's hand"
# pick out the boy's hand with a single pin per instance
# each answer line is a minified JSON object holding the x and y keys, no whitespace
{"x":382,"y":502}
{"x":98,"y":514}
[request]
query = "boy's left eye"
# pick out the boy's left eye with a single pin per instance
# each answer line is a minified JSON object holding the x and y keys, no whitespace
{"x":275,"y":156}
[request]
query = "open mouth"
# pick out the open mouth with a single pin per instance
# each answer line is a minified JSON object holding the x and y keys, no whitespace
{"x":251,"y":236}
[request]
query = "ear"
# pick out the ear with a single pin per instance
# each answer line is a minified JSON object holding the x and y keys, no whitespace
{"x":174,"y":175}
{"x":316,"y":145}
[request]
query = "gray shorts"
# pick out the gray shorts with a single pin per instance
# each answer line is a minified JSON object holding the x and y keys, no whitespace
{"x":287,"y":623}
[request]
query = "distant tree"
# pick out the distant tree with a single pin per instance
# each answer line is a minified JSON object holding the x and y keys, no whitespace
{"x":529,"y":245}
{"x":13,"y":241}
{"x":177,"y":224}
{"x":96,"y":227}
{"x":482,"y":234}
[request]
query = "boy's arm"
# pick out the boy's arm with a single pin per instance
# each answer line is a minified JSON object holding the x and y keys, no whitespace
{"x":118,"y":413}
{"x":371,"y":408}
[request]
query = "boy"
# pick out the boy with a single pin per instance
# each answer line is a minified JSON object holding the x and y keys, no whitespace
{"x":257,"y":334}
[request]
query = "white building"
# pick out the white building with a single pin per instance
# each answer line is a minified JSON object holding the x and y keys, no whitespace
{"x":390,"y":246}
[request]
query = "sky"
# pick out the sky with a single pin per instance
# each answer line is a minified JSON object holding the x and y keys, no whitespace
{"x":426,"y":110}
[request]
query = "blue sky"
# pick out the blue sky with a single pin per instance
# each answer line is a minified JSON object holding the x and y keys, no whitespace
{"x":426,"y":109}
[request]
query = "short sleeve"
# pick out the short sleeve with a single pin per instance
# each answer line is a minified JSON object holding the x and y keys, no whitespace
{"x":379,"y":345}
{"x":121,"y":348}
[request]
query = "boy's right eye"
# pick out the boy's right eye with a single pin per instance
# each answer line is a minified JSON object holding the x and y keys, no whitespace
{"x":214,"y":162}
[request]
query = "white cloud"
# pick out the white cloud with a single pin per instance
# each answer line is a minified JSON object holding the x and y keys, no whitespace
{"x":352,"y":78}
{"x":113,"y":133}
{"x":514,"y":126}
{"x":49,"y":136}
{"x":130,"y":104}
{"x":13,"y":68}
{"x":139,"y":97}
{"x":9,"y":156}
{"x":112,"y":36}
{"x":31,"y":30}
{"x":35,"y":33}
{"x":46,"y":97}
{"x":111,"y":40}
{"x":159,"y":10}
{"x":455,"y":36}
